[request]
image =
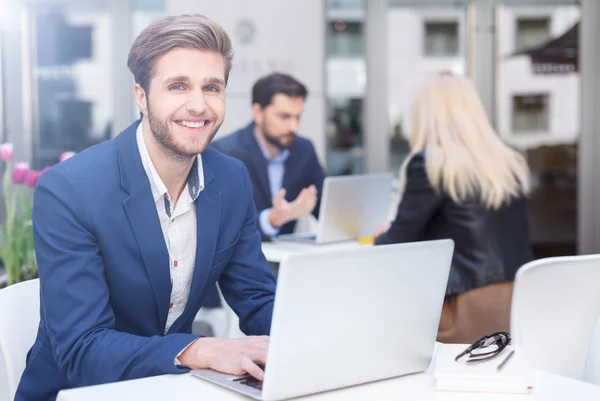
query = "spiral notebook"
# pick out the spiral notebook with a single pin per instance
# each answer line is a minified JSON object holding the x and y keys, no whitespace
{"x":516,"y":377}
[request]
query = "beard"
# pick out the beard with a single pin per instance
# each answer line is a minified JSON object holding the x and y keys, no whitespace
{"x":163,"y":136}
{"x":277,"y":140}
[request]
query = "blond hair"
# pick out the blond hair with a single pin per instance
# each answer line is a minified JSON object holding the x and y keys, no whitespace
{"x":181,"y":31}
{"x":464,"y":156}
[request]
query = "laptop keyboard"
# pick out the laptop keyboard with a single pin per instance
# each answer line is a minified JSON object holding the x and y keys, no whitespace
{"x":250,"y":381}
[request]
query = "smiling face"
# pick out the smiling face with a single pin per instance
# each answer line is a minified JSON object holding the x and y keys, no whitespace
{"x":184,"y":105}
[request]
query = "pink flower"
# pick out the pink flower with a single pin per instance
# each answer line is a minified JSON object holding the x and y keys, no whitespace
{"x":19,"y":173}
{"x":65,"y":155}
{"x":6,"y":151}
{"x":32,"y":178}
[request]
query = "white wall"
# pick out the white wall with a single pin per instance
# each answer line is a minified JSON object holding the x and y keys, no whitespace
{"x":289,"y":36}
{"x":515,"y":78}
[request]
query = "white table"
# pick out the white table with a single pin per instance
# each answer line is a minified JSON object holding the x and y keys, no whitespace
{"x":276,"y":251}
{"x":418,"y":387}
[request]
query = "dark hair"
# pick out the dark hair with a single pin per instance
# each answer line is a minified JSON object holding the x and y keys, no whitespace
{"x":182,"y":31}
{"x":265,"y":88}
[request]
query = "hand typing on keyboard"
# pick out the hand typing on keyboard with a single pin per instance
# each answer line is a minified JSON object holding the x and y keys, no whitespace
{"x":251,"y":381}
{"x":236,"y":356}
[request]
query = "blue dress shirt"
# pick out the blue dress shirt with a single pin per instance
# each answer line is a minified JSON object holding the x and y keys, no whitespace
{"x":275,"y":171}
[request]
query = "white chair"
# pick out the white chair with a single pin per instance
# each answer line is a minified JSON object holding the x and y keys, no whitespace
{"x":223,"y":320}
{"x":555,"y":307}
{"x":592,"y":366}
{"x":233,"y":322}
{"x":19,"y":320}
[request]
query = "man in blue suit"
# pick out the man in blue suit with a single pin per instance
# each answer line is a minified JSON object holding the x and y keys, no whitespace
{"x":284,"y":168}
{"x":131,"y":234}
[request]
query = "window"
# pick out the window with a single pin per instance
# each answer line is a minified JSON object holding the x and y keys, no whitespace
{"x":345,"y":136}
{"x":441,"y":39}
{"x":531,"y":32}
{"x":73,"y":75}
{"x":345,"y":4}
{"x":345,"y":39}
{"x":530,"y":112}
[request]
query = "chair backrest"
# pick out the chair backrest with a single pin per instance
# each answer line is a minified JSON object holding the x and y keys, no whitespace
{"x":19,"y":320}
{"x":555,"y":307}
{"x":592,"y":366}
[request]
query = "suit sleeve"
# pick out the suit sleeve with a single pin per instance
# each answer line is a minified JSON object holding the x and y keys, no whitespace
{"x":247,"y":284}
{"x":419,"y":203}
{"x":317,"y":178}
{"x":75,"y":296}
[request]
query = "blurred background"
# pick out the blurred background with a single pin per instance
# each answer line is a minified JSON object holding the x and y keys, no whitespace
{"x":64,"y":84}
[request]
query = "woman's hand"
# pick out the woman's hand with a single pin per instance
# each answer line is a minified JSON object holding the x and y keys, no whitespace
{"x":382,"y":228}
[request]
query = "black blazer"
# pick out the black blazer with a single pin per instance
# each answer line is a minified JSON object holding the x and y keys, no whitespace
{"x":302,"y":169}
{"x":490,"y":245}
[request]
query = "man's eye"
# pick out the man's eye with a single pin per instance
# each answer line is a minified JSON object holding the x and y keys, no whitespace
{"x":176,"y":87}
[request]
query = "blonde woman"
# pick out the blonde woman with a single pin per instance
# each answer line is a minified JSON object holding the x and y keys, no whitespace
{"x":461,"y":182}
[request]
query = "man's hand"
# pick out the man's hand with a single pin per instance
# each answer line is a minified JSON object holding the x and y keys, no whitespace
{"x":305,"y":202}
{"x":283,"y":211}
{"x":280,"y":210}
{"x":236,"y":356}
{"x":382,"y":228}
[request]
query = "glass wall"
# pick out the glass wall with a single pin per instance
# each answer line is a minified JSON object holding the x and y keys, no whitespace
{"x":71,"y":53}
{"x":538,"y":113}
{"x":421,"y":41}
{"x":346,"y":80}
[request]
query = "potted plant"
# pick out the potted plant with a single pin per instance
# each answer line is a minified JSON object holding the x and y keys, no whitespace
{"x":16,"y":232}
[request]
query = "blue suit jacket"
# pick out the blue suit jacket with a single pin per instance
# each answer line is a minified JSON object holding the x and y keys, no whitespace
{"x":302,"y":169}
{"x":104,"y":268}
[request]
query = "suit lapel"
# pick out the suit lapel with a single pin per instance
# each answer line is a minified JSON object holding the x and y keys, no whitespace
{"x":143,"y":218}
{"x":257,"y":166}
{"x":291,"y":173}
{"x":141,"y":210}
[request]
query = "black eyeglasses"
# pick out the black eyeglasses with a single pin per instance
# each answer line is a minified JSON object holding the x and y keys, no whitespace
{"x":486,"y":347}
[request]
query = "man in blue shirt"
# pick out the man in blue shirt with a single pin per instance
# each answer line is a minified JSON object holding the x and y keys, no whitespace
{"x":283,"y":167}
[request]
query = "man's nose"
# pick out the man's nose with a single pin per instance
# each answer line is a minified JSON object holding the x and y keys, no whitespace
{"x":196,"y":103}
{"x":294,"y":125}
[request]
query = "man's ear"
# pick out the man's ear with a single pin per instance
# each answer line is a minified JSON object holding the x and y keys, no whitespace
{"x":258,"y":114}
{"x":141,"y":99}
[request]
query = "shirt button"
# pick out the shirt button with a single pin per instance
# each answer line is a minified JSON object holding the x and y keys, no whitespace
{"x":171,"y":305}
{"x":175,"y":263}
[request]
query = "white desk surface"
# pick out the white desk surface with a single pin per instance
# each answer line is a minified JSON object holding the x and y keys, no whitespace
{"x":417,"y":387}
{"x":275,"y":251}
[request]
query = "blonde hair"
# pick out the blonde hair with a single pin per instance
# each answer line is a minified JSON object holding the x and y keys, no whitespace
{"x":464,"y":156}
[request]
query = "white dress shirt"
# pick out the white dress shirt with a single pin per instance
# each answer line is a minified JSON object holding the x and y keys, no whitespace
{"x":178,"y":223}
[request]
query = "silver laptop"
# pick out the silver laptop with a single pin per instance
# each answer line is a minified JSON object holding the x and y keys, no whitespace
{"x":348,"y":317}
{"x":351,"y":206}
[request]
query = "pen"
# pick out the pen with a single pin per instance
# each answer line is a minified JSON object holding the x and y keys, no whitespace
{"x":505,"y":361}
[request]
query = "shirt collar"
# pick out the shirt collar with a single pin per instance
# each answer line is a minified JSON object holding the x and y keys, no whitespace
{"x":195,"y":182}
{"x":281,"y":157}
